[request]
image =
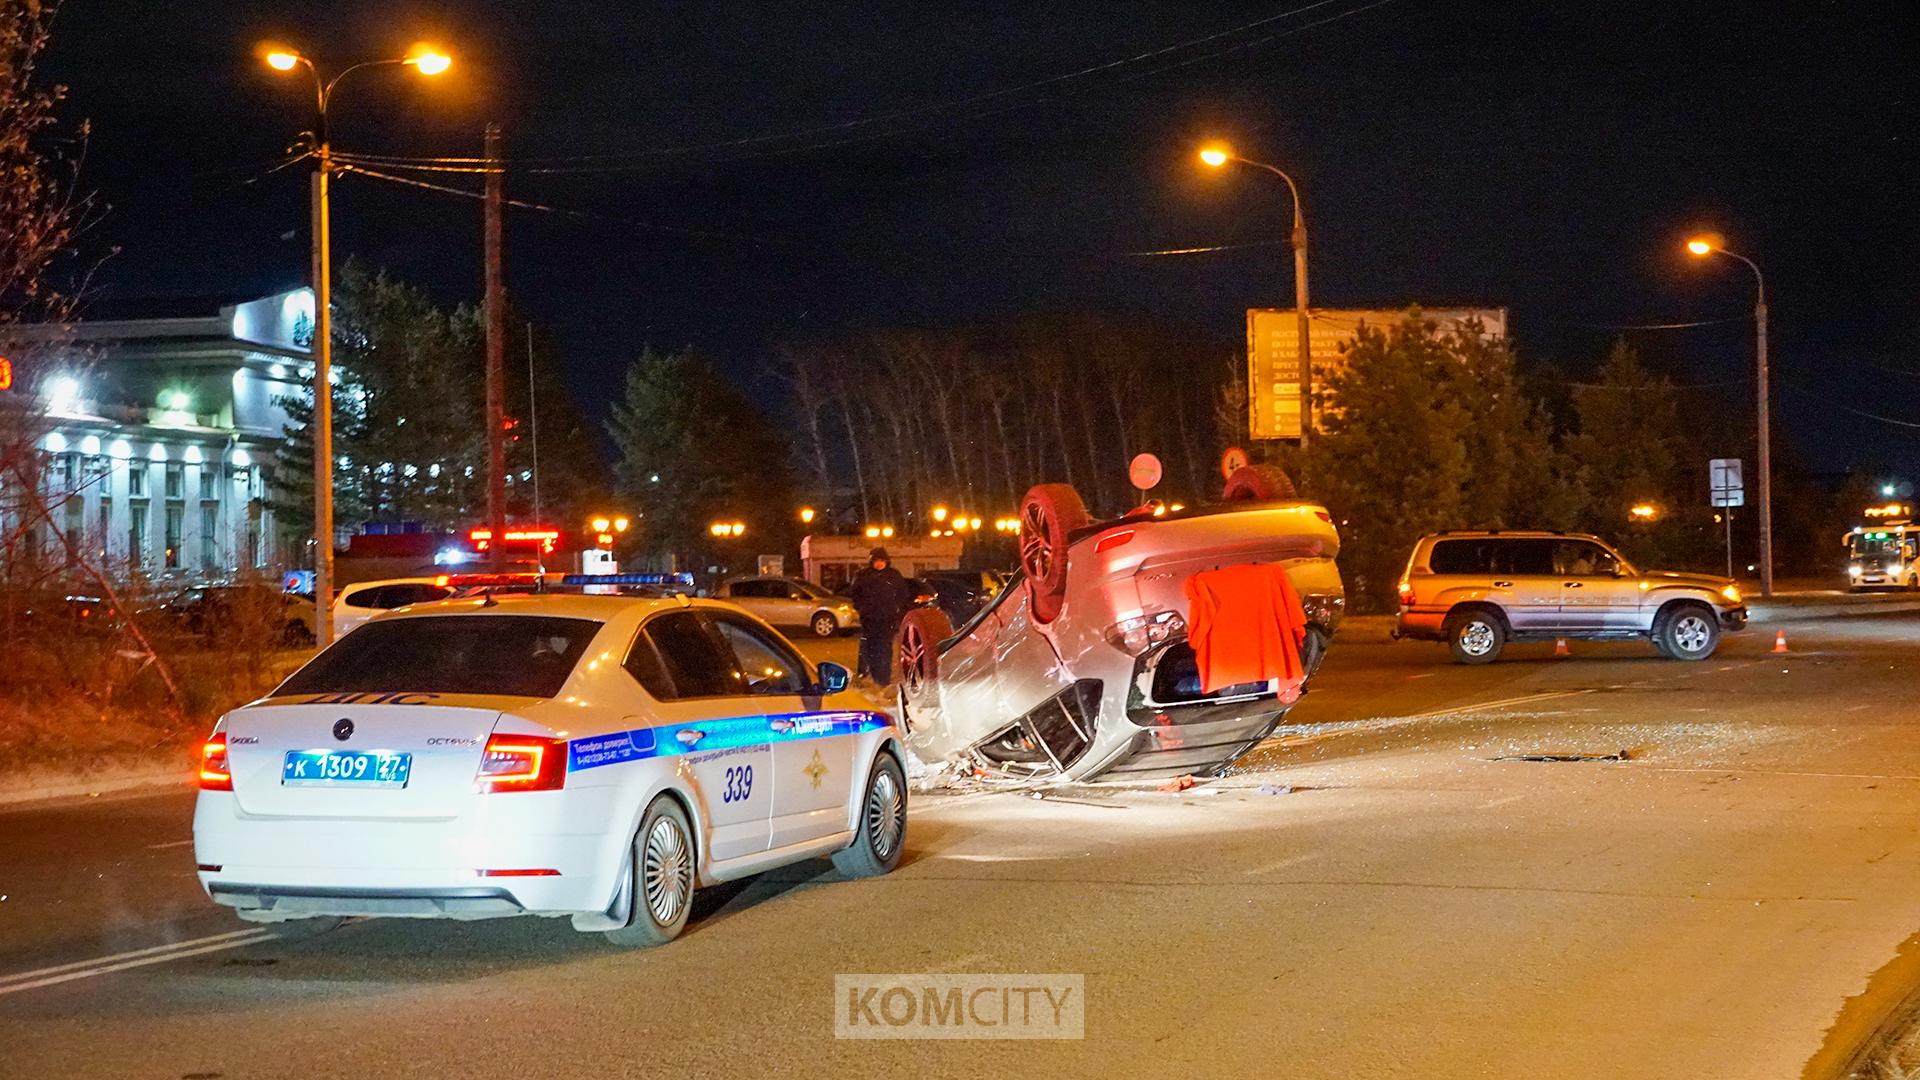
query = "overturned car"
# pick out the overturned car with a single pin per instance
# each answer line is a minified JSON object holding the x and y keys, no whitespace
{"x":1108,"y":655}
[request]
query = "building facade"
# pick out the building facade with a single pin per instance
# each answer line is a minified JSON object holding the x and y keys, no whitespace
{"x":157,"y":434}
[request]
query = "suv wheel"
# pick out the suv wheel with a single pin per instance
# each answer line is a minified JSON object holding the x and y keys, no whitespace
{"x":1475,"y":636}
{"x":1689,"y":632}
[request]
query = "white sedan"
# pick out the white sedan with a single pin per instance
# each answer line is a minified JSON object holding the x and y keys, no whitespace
{"x":597,"y":757}
{"x":358,"y":603}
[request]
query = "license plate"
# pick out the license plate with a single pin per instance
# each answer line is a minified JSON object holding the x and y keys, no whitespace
{"x":346,"y":768}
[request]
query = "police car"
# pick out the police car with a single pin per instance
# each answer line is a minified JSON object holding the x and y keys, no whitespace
{"x":595,"y":757}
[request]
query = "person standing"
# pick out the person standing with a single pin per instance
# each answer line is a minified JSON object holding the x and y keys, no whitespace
{"x":881,"y":596}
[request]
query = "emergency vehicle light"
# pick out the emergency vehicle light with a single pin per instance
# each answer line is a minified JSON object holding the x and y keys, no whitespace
{"x":684,"y":578}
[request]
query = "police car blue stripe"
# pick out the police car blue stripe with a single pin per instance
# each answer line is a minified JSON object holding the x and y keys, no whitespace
{"x":719,"y":733}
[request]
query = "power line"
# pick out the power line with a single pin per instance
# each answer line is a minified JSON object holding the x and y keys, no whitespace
{"x":1830,"y":403}
{"x":632,"y":159}
{"x":1206,"y":250}
{"x":524,"y":204}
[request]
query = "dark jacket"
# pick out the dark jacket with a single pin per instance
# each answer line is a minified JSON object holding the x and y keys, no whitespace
{"x":881,"y":597}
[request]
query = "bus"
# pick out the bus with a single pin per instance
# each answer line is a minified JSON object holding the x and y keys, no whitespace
{"x":1885,"y":552}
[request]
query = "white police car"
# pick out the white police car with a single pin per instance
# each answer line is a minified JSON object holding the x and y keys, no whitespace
{"x":597,"y":757}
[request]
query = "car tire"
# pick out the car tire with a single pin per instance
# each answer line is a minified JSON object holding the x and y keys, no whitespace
{"x":1048,"y":517}
{"x":297,"y":635}
{"x":662,"y":872}
{"x":1258,"y":483}
{"x":1688,"y":632}
{"x":916,"y":648}
{"x":824,"y":624}
{"x":880,"y":832}
{"x":1475,"y":636}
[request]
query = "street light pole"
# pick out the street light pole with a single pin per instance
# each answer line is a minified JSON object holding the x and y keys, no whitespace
{"x":1763,"y":405}
{"x":322,"y":388}
{"x":1216,"y":157}
{"x":427,"y":62}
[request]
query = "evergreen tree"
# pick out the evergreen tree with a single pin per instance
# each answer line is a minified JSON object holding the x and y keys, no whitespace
{"x":1423,"y":430}
{"x":693,"y":450}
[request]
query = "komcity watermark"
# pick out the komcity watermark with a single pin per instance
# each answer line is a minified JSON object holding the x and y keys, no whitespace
{"x":959,"y":1006}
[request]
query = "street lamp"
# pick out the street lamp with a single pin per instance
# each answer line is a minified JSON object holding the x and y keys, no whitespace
{"x":1701,"y":247}
{"x":426,"y":61}
{"x":1217,"y":155}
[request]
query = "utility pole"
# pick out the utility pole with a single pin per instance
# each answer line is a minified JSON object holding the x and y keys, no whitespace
{"x":322,"y":385}
{"x":496,"y":310}
{"x":1765,"y":433}
{"x":1300,"y":309}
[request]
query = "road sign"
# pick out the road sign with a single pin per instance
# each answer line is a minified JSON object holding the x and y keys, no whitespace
{"x":1725,"y":483}
{"x":1232,"y":462}
{"x":1144,"y":471}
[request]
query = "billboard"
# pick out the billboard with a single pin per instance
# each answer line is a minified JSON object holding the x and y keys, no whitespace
{"x":1273,"y":354}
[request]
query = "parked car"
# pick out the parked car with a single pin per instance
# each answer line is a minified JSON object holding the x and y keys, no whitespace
{"x":959,"y":594}
{"x":785,"y":601}
{"x":358,"y":603}
{"x":1082,"y":666}
{"x":224,"y":611}
{"x":1477,"y":591}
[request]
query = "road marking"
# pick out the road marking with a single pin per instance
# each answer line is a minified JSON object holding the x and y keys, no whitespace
{"x":1294,"y":860}
{"x":171,"y":844}
{"x":1306,"y":732}
{"x":1525,"y":699}
{"x":157,"y":954}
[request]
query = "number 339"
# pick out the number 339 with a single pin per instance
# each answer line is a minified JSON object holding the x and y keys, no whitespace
{"x":739,"y":784}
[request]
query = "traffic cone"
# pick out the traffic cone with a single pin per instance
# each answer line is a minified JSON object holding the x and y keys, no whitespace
{"x":1560,"y":647}
{"x":1780,"y":641}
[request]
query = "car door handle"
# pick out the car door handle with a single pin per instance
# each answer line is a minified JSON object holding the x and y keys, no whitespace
{"x":1573,"y":585}
{"x":689,"y":736}
{"x":1503,"y":584}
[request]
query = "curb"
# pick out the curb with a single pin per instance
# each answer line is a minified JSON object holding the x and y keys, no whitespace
{"x":16,"y":792}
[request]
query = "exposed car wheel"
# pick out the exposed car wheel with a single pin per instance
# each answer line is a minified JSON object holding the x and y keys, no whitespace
{"x":297,"y":634}
{"x":1475,"y":636}
{"x":663,"y":871}
{"x":824,"y":624}
{"x":881,"y":833}
{"x":918,"y":648}
{"x":1048,"y":516}
{"x":1258,"y":483}
{"x":1688,"y":632}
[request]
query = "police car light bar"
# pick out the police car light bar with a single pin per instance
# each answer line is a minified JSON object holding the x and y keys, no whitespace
{"x":684,"y":578}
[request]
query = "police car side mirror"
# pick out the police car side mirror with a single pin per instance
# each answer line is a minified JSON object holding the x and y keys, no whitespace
{"x":833,"y":677}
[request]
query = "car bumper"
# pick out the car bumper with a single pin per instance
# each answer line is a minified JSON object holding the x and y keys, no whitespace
{"x":473,"y":866}
{"x":1420,"y":625}
{"x":1733,"y":618}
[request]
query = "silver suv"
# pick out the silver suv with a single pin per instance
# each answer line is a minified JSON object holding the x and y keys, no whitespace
{"x":1476,"y":591}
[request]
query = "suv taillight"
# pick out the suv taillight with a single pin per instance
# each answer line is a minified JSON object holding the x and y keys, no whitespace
{"x":1406,"y":594}
{"x":214,"y":773}
{"x":522,"y":763}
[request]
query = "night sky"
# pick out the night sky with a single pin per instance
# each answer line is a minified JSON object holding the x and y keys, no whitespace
{"x":1547,"y":157}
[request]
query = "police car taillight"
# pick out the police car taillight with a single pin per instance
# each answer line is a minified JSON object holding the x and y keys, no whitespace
{"x":214,"y":774}
{"x":522,"y":763}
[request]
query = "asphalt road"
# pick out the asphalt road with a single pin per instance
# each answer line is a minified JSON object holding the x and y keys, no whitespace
{"x":1385,"y":889}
